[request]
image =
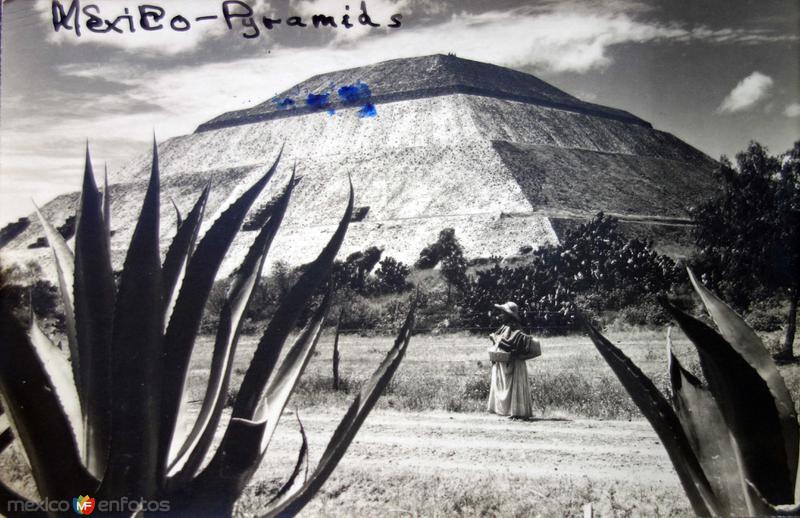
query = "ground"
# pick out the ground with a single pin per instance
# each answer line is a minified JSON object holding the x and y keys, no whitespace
{"x":443,"y":464}
{"x":430,"y":449}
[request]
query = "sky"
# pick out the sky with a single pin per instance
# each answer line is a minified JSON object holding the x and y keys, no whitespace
{"x":716,"y":73}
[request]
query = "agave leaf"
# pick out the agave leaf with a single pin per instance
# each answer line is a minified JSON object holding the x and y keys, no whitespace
{"x":215,"y":490}
{"x":747,"y":343}
{"x":32,"y":406}
{"x":665,"y":423}
{"x":239,"y":470}
{"x":6,"y":434}
{"x":66,"y":275}
{"x":197,"y":443}
{"x":708,"y":436}
{"x":294,"y":484}
{"x":288,"y":374}
{"x":269,"y":347}
{"x":180,"y":250}
{"x":94,"y":293}
{"x":57,"y":369}
{"x":350,"y":424}
{"x":761,"y":507}
{"x":188,"y":311}
{"x":747,"y":406}
{"x":178,"y":217}
{"x":136,"y":357}
{"x":106,"y":204}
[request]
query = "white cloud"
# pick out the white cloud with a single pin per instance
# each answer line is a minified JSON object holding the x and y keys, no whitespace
{"x":792,"y":110}
{"x":579,"y":32}
{"x":747,"y":93}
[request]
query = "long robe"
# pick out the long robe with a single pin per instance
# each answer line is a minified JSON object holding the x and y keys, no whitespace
{"x":510,"y":392}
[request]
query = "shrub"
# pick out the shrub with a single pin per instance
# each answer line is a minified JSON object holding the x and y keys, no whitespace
{"x":391,"y":277}
{"x":594,"y":268}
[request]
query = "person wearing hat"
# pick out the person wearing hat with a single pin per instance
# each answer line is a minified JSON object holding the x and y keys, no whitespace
{"x":510,"y":392}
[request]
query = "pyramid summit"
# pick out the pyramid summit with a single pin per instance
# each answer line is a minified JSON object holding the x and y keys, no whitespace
{"x":507,"y":160}
{"x":419,"y":78}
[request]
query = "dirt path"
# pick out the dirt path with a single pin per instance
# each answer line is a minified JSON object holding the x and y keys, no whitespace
{"x":421,"y":463}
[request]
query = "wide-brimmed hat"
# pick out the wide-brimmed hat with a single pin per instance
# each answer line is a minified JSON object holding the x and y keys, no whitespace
{"x":509,"y":308}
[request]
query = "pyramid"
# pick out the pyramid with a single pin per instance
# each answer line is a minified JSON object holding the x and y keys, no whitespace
{"x":506,"y":159}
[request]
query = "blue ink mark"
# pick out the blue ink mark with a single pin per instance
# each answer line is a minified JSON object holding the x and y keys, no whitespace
{"x":368,"y":111}
{"x":284,"y":104}
{"x":318,"y":101}
{"x":331,"y":111}
{"x":351,"y":94}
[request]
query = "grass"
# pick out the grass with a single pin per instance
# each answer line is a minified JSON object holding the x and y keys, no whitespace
{"x":451,"y":373}
{"x":408,"y":495}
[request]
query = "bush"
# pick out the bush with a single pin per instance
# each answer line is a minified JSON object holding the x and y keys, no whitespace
{"x":648,"y":313}
{"x":390,"y":277}
{"x":766,"y":316}
{"x":594,"y":265}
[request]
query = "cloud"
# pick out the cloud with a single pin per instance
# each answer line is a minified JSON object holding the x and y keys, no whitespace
{"x":792,"y":110}
{"x":747,"y":93}
{"x":579,"y":31}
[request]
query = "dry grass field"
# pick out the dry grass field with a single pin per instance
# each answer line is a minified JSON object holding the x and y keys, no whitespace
{"x":430,"y":450}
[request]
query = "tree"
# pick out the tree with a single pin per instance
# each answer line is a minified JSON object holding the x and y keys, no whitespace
{"x":451,"y":256}
{"x":748,"y":237}
{"x":391,"y":275}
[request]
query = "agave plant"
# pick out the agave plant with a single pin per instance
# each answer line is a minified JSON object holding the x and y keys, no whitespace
{"x":104,"y":421}
{"x":732,"y":440}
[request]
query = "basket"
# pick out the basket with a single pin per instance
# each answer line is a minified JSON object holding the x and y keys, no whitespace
{"x":496,"y":355}
{"x":534,"y":350}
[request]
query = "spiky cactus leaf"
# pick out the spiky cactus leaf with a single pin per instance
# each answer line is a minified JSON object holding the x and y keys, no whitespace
{"x":664,"y":421}
{"x":269,"y":347}
{"x":6,"y":433}
{"x":106,"y":204}
{"x":747,"y":406}
{"x":188,"y":311}
{"x":708,"y":436}
{"x":136,"y":358}
{"x":748,"y":344}
{"x":285,"y":380}
{"x":64,"y":260}
{"x":58,"y":371}
{"x":94,"y":293}
{"x":37,"y":414}
{"x":196,"y":444}
{"x":180,"y":250}
{"x":238,"y":471}
{"x":349,"y":425}
{"x":178,"y":216}
{"x":293,"y":484}
{"x":761,"y":507}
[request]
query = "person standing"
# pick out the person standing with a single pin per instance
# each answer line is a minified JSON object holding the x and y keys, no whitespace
{"x":510,"y":392}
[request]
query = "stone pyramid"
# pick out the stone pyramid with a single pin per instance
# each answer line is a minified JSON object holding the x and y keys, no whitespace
{"x":429,"y":142}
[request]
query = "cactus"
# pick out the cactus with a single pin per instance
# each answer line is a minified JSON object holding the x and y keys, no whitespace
{"x":732,"y":440}
{"x":104,"y":421}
